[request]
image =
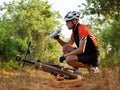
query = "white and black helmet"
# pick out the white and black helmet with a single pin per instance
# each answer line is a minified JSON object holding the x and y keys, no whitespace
{"x":72,"y":15}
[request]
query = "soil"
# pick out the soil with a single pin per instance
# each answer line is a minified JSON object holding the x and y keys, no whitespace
{"x":39,"y":80}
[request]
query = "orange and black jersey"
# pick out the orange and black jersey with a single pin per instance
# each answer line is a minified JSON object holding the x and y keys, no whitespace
{"x":82,"y":32}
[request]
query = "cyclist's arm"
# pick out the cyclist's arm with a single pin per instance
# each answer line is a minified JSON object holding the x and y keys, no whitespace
{"x":80,"y":50}
{"x":62,"y":43}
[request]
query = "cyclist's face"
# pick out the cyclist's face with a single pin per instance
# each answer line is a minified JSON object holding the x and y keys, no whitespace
{"x":69,"y":24}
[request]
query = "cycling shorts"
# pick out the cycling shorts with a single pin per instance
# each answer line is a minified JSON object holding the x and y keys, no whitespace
{"x":89,"y":59}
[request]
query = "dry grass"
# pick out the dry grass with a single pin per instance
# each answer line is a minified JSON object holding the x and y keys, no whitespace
{"x":108,"y":79}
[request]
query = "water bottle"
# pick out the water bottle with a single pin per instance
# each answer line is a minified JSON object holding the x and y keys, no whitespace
{"x":55,"y":33}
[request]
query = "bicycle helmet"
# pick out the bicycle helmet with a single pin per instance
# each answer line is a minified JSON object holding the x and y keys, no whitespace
{"x":72,"y":15}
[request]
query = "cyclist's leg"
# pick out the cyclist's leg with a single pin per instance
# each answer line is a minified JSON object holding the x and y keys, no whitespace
{"x":91,"y":60}
{"x":72,"y":60}
{"x":67,"y":48}
{"x":88,"y":59}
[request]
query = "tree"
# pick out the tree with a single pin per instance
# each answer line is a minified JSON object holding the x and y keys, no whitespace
{"x":28,"y":20}
{"x":111,"y":35}
{"x":110,"y":9}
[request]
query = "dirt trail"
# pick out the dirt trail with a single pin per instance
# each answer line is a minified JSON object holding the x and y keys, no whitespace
{"x":39,"y":80}
{"x":35,"y":80}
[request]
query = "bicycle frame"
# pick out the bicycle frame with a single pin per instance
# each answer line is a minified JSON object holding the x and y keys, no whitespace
{"x":47,"y":67}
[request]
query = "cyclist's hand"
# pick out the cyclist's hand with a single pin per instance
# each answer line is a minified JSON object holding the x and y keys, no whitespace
{"x":56,"y":37}
{"x":62,"y":58}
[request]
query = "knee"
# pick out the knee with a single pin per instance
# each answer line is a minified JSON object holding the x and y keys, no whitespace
{"x":70,"y":60}
{"x":65,"y":48}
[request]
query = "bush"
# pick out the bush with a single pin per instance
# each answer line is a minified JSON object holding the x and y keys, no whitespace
{"x":111,"y":61}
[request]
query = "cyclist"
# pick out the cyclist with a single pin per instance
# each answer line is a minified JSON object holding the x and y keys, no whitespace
{"x":86,"y":53}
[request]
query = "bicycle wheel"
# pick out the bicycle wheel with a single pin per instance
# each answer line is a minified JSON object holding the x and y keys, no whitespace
{"x":50,"y":68}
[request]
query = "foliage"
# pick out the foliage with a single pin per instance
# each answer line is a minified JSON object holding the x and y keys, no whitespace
{"x":26,"y":20}
{"x":9,"y":65}
{"x":111,"y":36}
{"x":111,"y":61}
{"x":110,"y":9}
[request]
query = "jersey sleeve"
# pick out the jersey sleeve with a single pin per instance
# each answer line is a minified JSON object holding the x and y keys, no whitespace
{"x":83,"y":32}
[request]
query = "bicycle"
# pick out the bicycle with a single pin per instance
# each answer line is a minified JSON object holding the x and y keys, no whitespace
{"x":54,"y":69}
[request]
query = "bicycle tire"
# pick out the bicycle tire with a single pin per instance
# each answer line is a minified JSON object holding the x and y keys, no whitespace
{"x":60,"y":71}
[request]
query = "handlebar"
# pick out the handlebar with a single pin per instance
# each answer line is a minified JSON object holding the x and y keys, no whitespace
{"x":28,"y":50}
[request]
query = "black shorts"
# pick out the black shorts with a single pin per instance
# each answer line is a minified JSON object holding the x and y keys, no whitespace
{"x":89,"y":59}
